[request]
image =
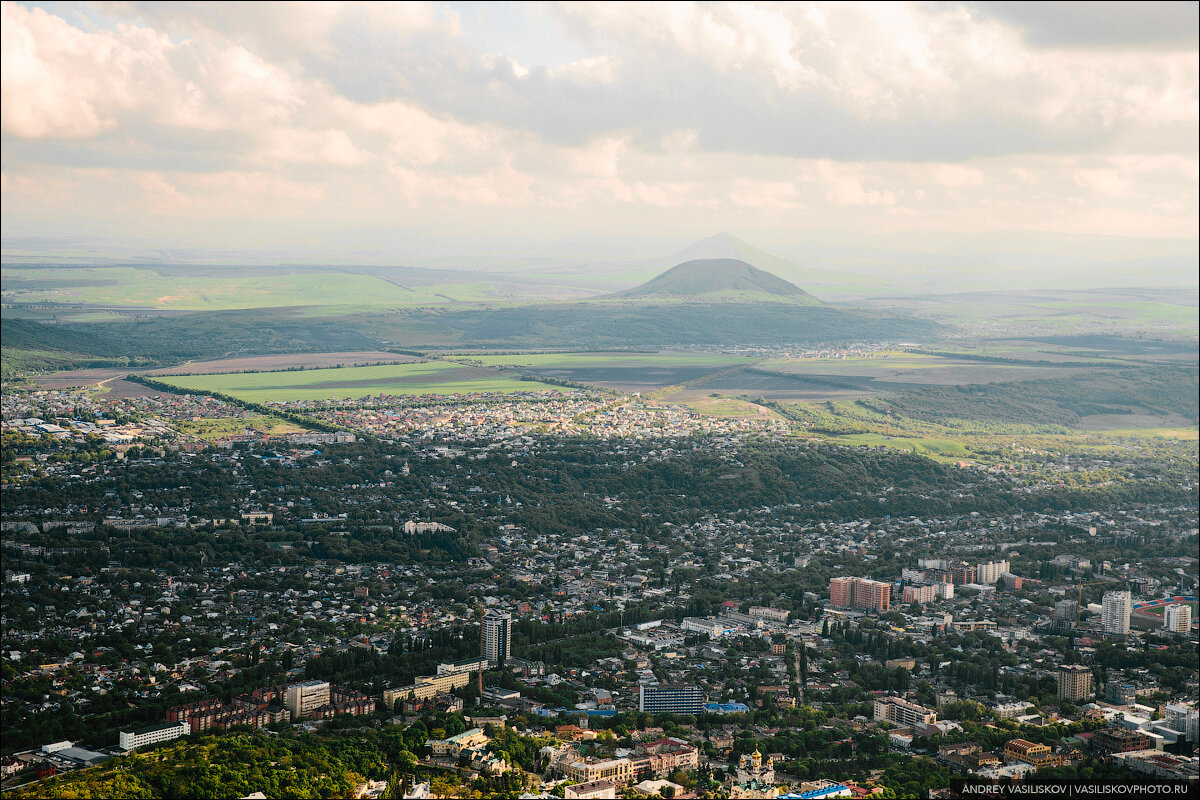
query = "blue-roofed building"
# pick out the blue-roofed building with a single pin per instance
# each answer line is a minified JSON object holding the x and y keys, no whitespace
{"x":819,"y":789}
{"x":726,"y":708}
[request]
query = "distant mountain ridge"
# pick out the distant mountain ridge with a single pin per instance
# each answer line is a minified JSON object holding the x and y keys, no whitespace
{"x":719,"y":277}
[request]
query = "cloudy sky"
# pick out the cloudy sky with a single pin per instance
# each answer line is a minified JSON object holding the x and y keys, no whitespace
{"x":410,"y":132}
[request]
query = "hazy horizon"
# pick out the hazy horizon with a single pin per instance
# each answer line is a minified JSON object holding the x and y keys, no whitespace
{"x":916,"y":147}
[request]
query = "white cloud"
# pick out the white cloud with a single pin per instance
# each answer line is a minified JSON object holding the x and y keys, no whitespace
{"x":597,"y":69}
{"x":844,"y":185}
{"x":53,"y":76}
{"x":861,"y":115}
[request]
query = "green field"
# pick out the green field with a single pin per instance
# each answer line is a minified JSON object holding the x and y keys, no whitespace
{"x":616,"y":359}
{"x":937,"y":449}
{"x":615,"y":370}
{"x":148,"y":288}
{"x":428,"y":377}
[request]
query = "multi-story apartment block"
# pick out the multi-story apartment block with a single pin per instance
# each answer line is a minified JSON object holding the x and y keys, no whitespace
{"x":132,"y":740}
{"x":1074,"y":682}
{"x":497,"y":637}
{"x":466,"y":665}
{"x":426,"y":687}
{"x":671,"y":699}
{"x":1115,"y":611}
{"x":899,"y":711}
{"x":1177,"y":618}
{"x":928,"y":592}
{"x":963,"y":574}
{"x":846,"y":592}
{"x":920,"y":594}
{"x":1066,"y":610}
{"x":301,"y":699}
{"x":1183,"y":719}
{"x":991,"y":571}
{"x":1120,"y":740}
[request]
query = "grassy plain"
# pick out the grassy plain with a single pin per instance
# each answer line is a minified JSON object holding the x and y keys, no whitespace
{"x":427,"y":377}
{"x":213,"y":429}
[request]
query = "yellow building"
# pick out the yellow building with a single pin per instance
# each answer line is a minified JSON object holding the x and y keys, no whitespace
{"x":453,"y":745}
{"x":1038,"y":755}
{"x":617,"y":770}
{"x":426,"y":687}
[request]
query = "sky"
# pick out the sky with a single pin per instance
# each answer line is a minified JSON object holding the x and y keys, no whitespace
{"x":872,"y":134}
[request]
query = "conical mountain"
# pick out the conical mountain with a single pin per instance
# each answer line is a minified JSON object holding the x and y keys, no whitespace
{"x":726,"y":245}
{"x":720,"y":278}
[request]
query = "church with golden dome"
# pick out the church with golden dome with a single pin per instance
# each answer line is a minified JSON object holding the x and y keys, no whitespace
{"x":755,"y":777}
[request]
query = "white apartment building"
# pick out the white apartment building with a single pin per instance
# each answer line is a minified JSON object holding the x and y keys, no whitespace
{"x":991,"y":571}
{"x":1183,"y":719}
{"x":1115,"y":611}
{"x":901,"y":712}
{"x":302,"y":698}
{"x":497,"y":637}
{"x":1177,"y":618}
{"x":132,"y":740}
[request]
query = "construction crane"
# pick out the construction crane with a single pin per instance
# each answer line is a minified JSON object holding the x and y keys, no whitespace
{"x":1079,"y":596}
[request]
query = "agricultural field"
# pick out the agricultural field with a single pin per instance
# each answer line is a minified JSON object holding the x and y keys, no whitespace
{"x":108,"y":381}
{"x":1074,"y":350}
{"x":791,"y":388}
{"x":892,"y":367}
{"x":623,"y":371}
{"x":106,"y":378}
{"x":285,"y":361}
{"x":419,"y":378}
